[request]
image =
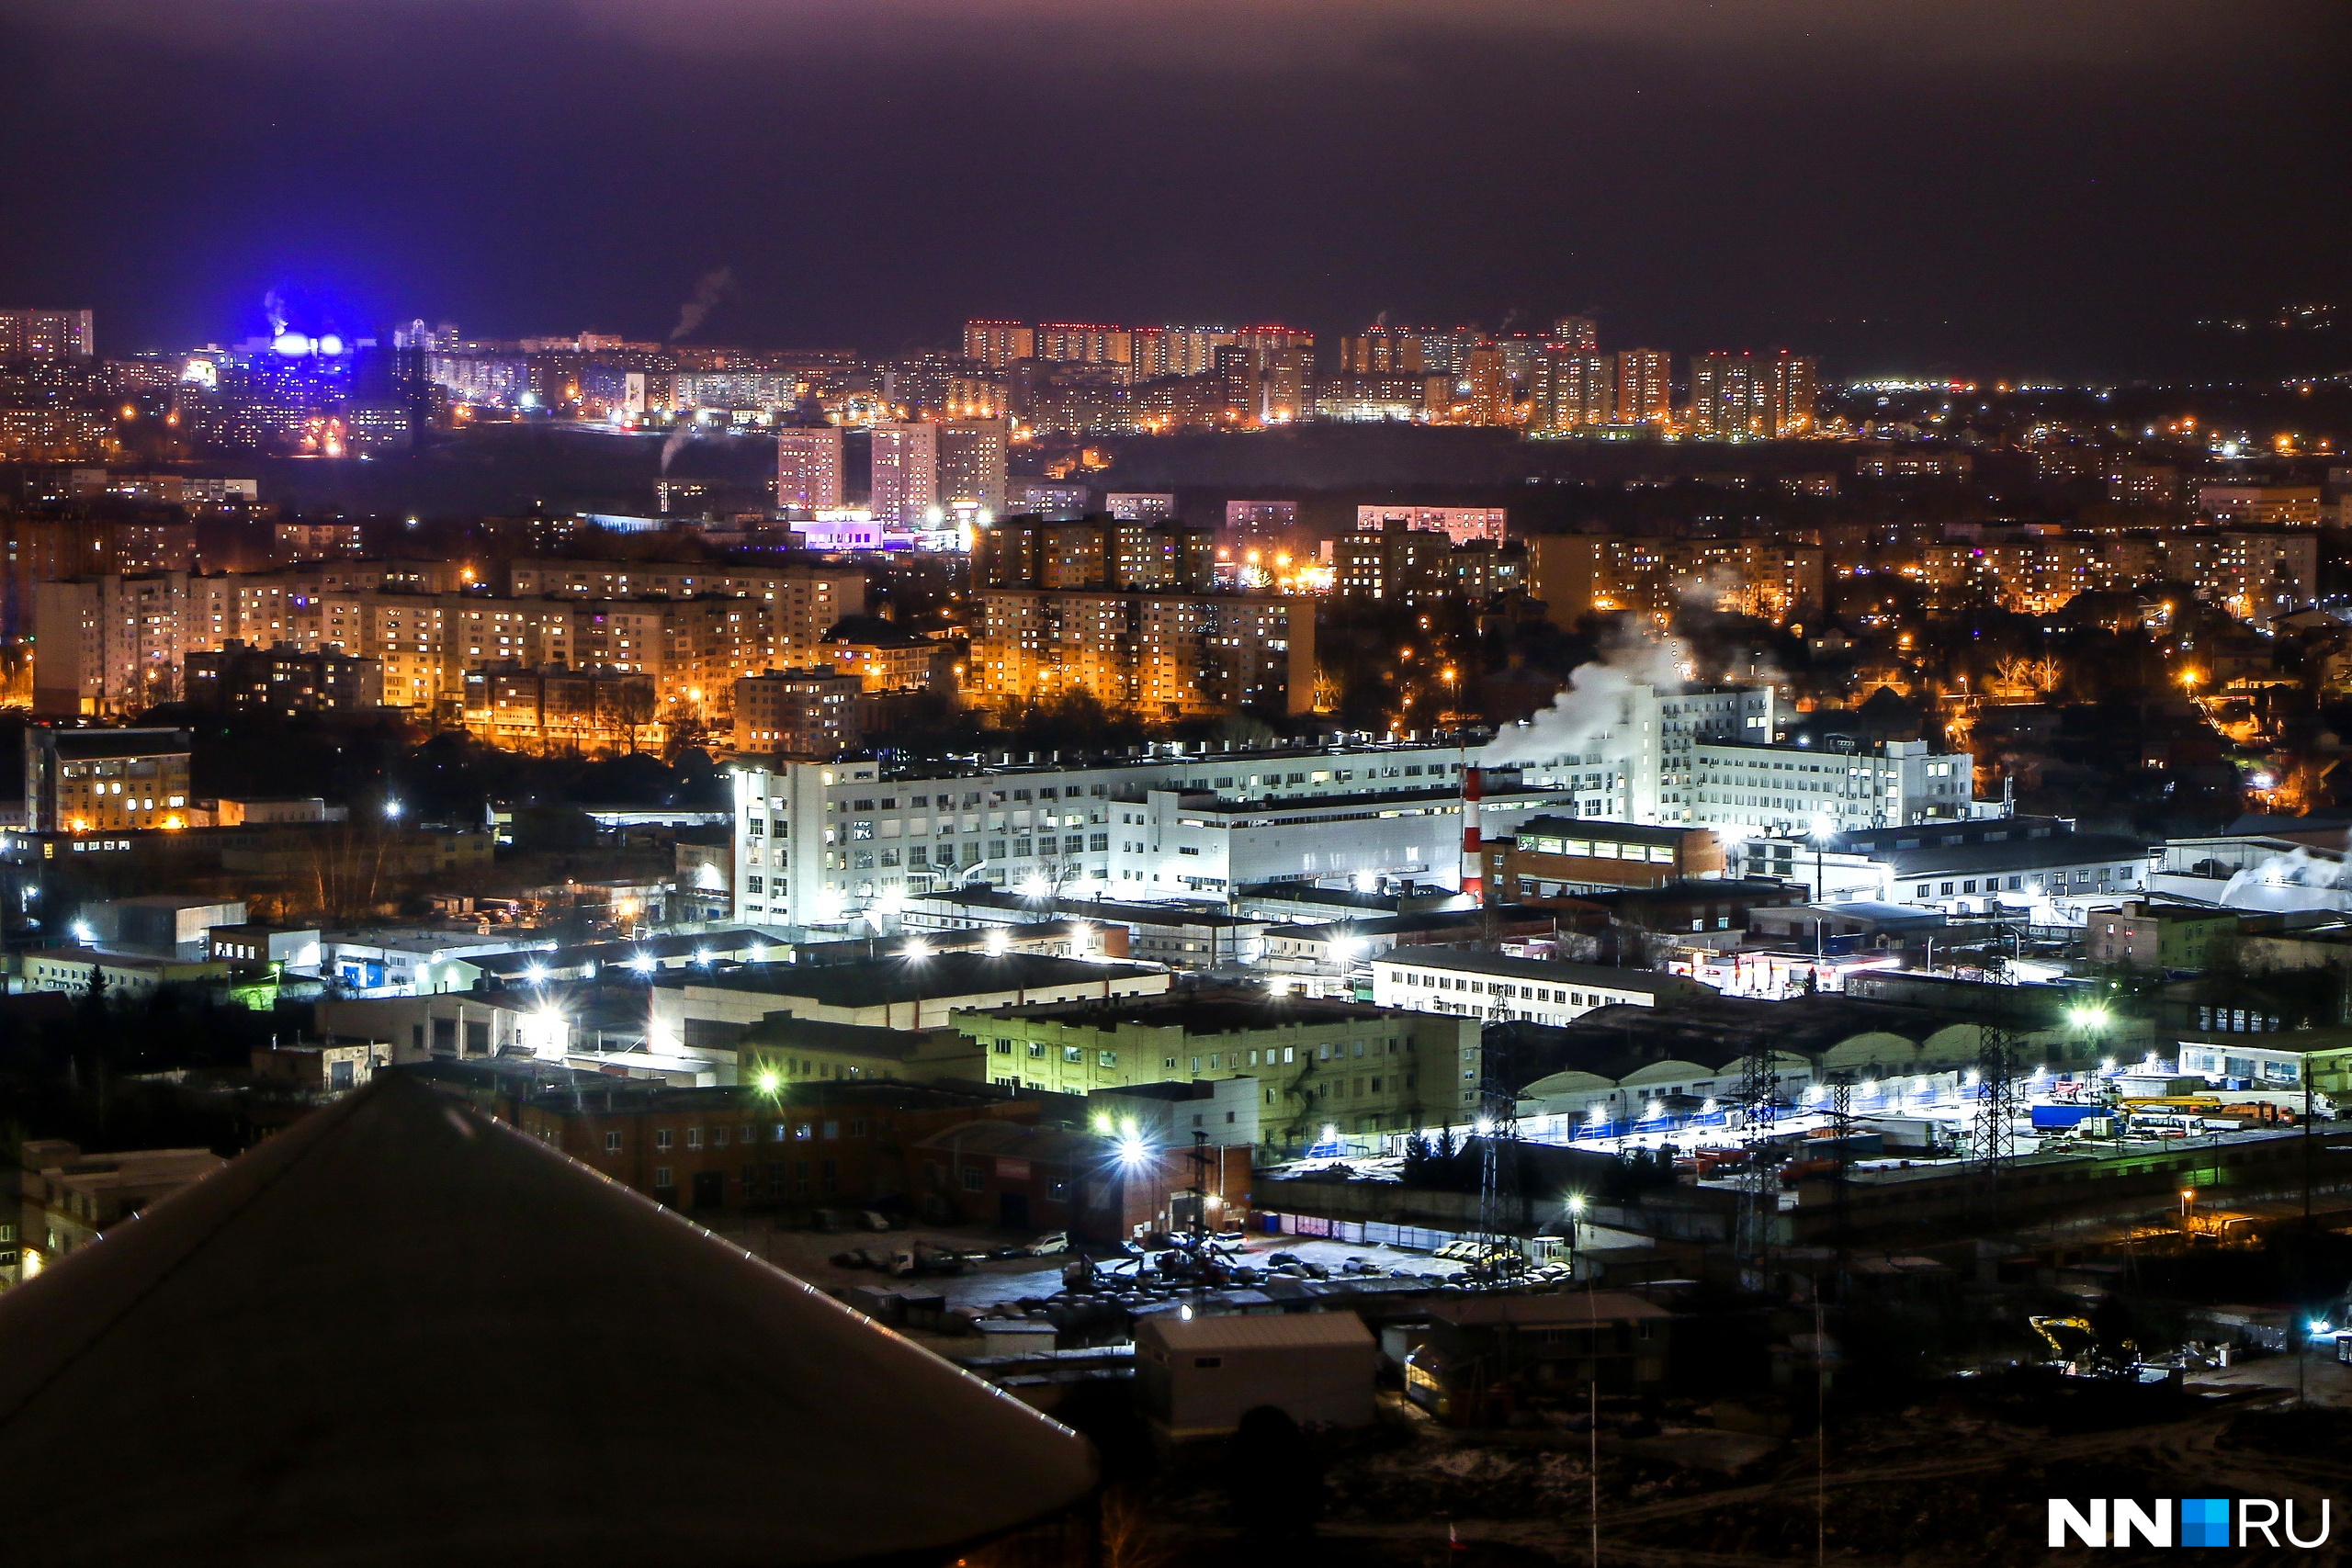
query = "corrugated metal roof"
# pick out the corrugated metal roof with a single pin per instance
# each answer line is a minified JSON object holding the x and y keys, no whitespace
{"x":1291,"y":1331}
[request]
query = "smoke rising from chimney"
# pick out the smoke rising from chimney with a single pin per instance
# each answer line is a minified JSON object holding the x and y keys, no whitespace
{"x":709,"y":289}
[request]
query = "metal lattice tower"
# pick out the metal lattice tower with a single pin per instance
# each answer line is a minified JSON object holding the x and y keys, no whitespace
{"x":1758,"y":1200}
{"x":1993,"y":1137}
{"x":1498,"y":1172}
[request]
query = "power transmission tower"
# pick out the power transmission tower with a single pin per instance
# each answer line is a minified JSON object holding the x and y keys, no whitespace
{"x":1994,"y":1144}
{"x":1498,"y":1169}
{"x":1841,"y":1127}
{"x":1758,"y":1201}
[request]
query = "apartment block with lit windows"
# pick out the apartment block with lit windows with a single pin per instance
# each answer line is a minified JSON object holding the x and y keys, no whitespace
{"x":808,"y":713}
{"x":1170,"y":655}
{"x":102,"y":781}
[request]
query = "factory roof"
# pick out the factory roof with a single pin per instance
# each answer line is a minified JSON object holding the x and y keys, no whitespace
{"x":1104,"y":911}
{"x":2064,"y":848}
{"x":1257,"y":1331}
{"x":1204,"y":1013}
{"x":1589,"y":828}
{"x":1466,"y":961}
{"x":872,"y":982}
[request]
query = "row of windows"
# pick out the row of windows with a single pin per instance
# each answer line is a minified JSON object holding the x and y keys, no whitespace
{"x":717,"y":1137}
{"x":1501,"y":989}
{"x":2057,"y":880}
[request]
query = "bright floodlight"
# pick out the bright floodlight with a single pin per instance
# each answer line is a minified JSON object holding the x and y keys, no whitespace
{"x":1485,"y":1126}
{"x":770,"y":1080}
{"x":2318,"y":1325}
{"x":2107,"y":1065}
{"x":82,"y":931}
{"x":393,"y":811}
{"x":998,"y":941}
{"x":702,"y":955}
{"x":1823,"y":825}
{"x":1330,"y":1131}
{"x":918,"y":949}
{"x":1185,"y":1311}
{"x":536,"y":974}
{"x":1103,"y":1122}
{"x":1132,"y":1150}
{"x":1576,"y":1203}
{"x":642,"y":964}
{"x":1034,"y":884}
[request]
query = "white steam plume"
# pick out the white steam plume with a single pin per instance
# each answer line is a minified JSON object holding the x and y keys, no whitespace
{"x":709,"y":289}
{"x":1593,"y":701}
{"x":678,"y":435}
{"x":2297,"y":879}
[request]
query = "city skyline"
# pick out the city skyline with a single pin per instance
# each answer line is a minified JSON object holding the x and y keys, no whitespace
{"x":1917,"y":202}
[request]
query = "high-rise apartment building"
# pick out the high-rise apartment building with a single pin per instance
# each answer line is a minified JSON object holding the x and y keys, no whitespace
{"x":808,"y":466}
{"x":47,"y":335}
{"x":809,"y":712}
{"x":1571,"y":389}
{"x":1166,"y":655}
{"x":1268,"y":375}
{"x":1087,"y":343}
{"x":1730,"y":397}
{"x":1580,"y":334}
{"x":1141,"y":506}
{"x":971,"y":463}
{"x":116,"y":644}
{"x":1191,"y":350}
{"x":998,"y":343}
{"x":1795,"y":388}
{"x":1738,"y":396}
{"x":1458,"y":523}
{"x":906,"y":473}
{"x":1644,"y":386}
{"x":1387,"y":350}
{"x":1490,"y":400}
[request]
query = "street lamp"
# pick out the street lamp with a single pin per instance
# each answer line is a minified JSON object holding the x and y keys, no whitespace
{"x":2311,"y":1329}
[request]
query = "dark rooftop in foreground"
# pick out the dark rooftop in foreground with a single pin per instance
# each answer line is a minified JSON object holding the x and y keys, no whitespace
{"x":1202,"y":1011}
{"x":873,"y":981}
{"x":519,"y":1396}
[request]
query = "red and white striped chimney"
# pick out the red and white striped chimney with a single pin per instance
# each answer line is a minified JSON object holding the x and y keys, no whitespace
{"x":1473,"y":878}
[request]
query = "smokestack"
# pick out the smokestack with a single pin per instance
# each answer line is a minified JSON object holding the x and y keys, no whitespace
{"x":1473,"y":872}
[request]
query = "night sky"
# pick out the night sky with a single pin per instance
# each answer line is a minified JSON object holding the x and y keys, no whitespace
{"x":2001,"y":188}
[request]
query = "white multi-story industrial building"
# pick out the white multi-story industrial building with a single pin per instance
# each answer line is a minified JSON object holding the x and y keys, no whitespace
{"x":819,"y":843}
{"x":1707,"y":756}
